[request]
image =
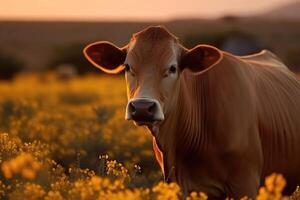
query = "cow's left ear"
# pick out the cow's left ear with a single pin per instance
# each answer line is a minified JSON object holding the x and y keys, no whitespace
{"x":106,"y":56}
{"x":200,"y":58}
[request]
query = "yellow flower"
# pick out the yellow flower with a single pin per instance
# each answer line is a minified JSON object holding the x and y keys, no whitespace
{"x":6,"y":170}
{"x":274,"y":185}
{"x":197,"y":196}
{"x":95,"y":182}
{"x":24,"y":164}
{"x":28,"y":173}
{"x":53,"y":195}
{"x":165,"y":191}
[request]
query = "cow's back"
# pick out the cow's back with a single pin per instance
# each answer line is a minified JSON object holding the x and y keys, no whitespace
{"x":246,"y":108}
{"x":277,"y":93}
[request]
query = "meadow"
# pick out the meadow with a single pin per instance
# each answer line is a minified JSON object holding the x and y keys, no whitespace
{"x":67,"y":139}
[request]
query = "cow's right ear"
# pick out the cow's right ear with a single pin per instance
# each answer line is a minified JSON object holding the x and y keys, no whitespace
{"x":106,"y":56}
{"x":200,"y":58}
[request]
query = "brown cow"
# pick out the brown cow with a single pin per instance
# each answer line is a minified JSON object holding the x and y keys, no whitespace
{"x":220,"y":122}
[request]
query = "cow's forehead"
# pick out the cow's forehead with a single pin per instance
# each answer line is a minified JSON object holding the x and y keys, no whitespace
{"x":154,"y":33}
{"x":154,"y":44}
{"x":149,"y":50}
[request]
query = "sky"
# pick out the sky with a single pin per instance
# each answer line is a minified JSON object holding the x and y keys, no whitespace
{"x":137,"y":10}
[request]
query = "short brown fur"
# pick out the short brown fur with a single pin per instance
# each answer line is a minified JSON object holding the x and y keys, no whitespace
{"x":229,"y":121}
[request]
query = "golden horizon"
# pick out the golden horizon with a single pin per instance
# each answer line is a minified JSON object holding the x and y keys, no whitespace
{"x":131,"y":10}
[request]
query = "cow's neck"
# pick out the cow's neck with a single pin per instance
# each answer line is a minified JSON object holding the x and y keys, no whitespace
{"x":183,"y":126}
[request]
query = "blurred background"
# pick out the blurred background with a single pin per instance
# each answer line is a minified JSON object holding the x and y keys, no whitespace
{"x":68,"y":116}
{"x":44,"y":35}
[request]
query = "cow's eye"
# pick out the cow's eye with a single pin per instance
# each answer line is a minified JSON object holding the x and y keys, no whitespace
{"x":172,"y":69}
{"x":127,"y":68}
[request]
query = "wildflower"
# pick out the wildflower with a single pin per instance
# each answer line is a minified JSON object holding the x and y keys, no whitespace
{"x":165,"y":191}
{"x":3,"y":188}
{"x":24,"y":165}
{"x":296,"y":194}
{"x":116,"y":169}
{"x":53,"y":195}
{"x":95,"y":182}
{"x":274,"y":185}
{"x":197,"y":196}
{"x":29,"y":191}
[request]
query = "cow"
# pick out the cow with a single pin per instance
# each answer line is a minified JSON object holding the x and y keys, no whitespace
{"x":220,"y":123}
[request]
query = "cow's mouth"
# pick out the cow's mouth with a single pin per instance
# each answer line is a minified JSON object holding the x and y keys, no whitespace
{"x":145,"y":123}
{"x":153,"y":126}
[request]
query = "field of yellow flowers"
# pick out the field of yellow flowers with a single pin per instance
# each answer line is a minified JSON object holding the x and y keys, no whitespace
{"x":67,"y":139}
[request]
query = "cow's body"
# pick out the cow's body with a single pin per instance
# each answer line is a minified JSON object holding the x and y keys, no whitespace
{"x":233,"y":125}
{"x":220,"y":122}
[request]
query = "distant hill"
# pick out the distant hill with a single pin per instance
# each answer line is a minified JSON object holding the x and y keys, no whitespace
{"x":37,"y":42}
{"x":290,"y":11}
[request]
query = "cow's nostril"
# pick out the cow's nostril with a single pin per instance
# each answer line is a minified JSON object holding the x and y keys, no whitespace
{"x":151,"y":109}
{"x":132,"y":108}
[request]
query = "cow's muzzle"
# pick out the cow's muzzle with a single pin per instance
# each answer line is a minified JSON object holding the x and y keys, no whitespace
{"x":144,"y":111}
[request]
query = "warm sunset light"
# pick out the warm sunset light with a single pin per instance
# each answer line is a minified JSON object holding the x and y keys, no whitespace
{"x":130,"y":9}
{"x":149,"y":99}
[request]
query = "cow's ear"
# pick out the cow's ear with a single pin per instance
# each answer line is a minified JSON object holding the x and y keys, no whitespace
{"x":200,"y":58}
{"x":106,"y":56}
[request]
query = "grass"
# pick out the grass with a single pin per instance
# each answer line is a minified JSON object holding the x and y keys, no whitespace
{"x":69,"y":140}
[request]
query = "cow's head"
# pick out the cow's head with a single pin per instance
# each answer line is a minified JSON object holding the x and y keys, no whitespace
{"x":153,"y":62}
